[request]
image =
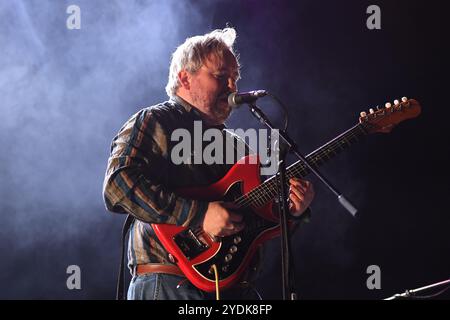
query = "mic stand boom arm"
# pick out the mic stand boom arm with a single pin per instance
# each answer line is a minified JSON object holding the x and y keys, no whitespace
{"x":292,"y":147}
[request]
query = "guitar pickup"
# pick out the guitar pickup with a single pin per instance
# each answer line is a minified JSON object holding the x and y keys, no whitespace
{"x":190,"y":244}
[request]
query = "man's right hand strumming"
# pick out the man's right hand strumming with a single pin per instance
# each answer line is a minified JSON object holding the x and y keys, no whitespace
{"x":221,"y":221}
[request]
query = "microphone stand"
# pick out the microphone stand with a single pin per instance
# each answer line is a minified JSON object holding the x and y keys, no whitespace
{"x":289,"y":145}
{"x":287,"y":261}
{"x":292,"y":147}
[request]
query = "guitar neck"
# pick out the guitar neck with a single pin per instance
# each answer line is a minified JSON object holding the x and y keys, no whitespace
{"x":267,"y":191}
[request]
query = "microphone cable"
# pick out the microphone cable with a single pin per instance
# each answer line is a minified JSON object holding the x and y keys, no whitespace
{"x":283,"y":107}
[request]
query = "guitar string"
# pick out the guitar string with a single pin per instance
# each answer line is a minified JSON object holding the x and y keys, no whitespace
{"x":260,"y":196}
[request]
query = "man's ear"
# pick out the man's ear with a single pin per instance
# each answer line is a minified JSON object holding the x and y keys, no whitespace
{"x":184,"y":78}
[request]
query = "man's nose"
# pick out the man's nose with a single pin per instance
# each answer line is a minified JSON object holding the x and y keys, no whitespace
{"x":232,"y":85}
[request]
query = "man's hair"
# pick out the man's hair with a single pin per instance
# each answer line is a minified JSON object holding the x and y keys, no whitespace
{"x":191,"y":55}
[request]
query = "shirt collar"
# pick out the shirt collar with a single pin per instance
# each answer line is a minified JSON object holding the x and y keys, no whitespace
{"x":186,"y":105}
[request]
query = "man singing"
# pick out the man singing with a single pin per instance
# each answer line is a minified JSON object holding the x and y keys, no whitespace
{"x":141,"y":178}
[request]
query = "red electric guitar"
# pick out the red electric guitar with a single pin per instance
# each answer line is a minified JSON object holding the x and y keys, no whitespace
{"x":195,"y":252}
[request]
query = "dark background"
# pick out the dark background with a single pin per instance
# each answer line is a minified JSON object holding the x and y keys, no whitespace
{"x":65,"y":93}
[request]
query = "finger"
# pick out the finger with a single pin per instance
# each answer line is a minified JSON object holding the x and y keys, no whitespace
{"x":299,"y":193}
{"x":299,"y":185}
{"x":234,"y":226}
{"x":231,"y":229}
{"x":296,"y":199}
{"x":300,"y":182}
{"x":295,"y":203}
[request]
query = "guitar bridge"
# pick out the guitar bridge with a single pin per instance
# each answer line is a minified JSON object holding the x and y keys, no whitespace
{"x":190,"y":243}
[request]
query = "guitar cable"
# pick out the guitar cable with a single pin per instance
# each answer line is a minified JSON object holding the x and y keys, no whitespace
{"x":216,"y":275}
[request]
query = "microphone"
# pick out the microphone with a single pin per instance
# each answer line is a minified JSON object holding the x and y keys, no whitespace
{"x":237,"y":98}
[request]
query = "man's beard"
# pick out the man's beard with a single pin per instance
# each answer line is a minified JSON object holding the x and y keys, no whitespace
{"x":219,"y":109}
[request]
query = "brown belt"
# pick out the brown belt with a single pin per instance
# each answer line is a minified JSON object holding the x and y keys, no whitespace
{"x":158,"y":268}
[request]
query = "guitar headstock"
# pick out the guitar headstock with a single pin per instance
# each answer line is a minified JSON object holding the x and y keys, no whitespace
{"x":386,"y":118}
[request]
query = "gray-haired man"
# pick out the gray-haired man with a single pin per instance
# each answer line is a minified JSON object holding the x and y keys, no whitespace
{"x":141,"y":178}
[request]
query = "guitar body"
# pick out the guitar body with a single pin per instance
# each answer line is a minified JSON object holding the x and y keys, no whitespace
{"x":195,"y":252}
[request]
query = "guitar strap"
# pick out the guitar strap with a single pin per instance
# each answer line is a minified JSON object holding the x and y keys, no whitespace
{"x":121,"y":279}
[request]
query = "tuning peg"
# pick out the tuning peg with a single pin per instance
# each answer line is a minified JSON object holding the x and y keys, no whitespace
{"x":404,"y":99}
{"x":371,"y":110}
{"x":363,"y":114}
{"x":388,"y":105}
{"x":396,"y":102}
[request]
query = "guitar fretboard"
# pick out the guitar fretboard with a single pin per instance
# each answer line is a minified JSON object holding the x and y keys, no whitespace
{"x":267,"y":190}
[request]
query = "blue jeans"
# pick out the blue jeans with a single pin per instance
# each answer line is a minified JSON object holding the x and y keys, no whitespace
{"x":162,"y":286}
